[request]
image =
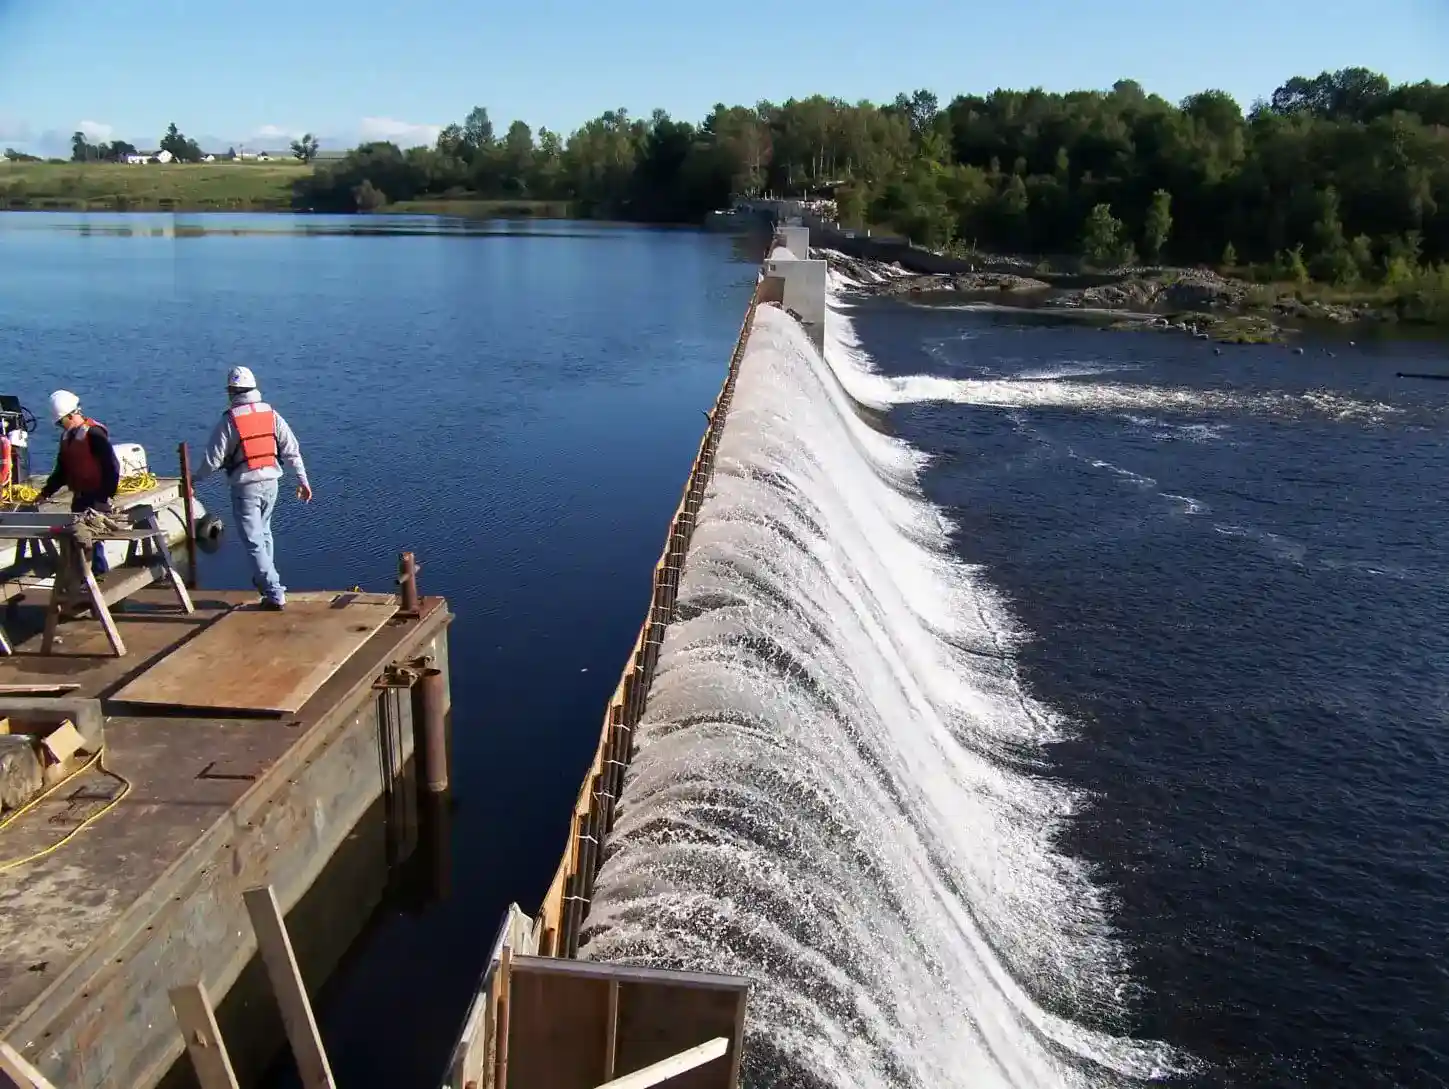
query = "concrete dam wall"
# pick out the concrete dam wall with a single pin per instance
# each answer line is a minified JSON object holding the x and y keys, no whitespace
{"x":812,"y":773}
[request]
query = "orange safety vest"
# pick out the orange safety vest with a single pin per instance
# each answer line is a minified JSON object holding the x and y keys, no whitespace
{"x":83,"y":475}
{"x":256,"y":428}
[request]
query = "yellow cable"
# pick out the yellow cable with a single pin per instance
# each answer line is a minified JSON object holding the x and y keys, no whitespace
{"x":20,"y":494}
{"x":97,"y":761}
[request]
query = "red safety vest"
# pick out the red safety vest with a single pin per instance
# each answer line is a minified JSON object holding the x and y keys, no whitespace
{"x":83,"y":473}
{"x":256,"y":428}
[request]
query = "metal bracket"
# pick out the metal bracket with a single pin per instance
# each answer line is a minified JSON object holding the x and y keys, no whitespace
{"x":403,"y":674}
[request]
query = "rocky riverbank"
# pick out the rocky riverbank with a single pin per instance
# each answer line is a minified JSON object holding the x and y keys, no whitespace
{"x":1194,"y":301}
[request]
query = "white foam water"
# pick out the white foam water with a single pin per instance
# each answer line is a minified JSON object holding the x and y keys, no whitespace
{"x":861,"y":378}
{"x":838,"y":789}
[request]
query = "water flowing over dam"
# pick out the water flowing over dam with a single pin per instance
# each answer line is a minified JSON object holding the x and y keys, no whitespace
{"x":837,"y":788}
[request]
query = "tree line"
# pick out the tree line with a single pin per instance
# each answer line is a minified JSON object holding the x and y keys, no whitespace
{"x":1342,"y":175}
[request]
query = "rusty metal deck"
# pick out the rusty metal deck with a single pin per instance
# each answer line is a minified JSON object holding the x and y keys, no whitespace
{"x":93,"y":931}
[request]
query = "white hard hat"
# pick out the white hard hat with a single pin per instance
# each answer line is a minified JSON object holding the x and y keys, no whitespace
{"x":62,"y":403}
{"x":241,"y":378}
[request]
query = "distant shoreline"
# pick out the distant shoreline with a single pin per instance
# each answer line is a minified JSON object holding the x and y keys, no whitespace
{"x":193,"y":188}
{"x":481,"y":209}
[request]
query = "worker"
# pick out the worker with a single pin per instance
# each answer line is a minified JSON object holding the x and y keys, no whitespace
{"x":251,"y":441}
{"x":86,"y":464}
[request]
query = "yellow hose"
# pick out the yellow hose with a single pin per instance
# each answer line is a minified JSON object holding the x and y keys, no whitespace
{"x":20,"y":494}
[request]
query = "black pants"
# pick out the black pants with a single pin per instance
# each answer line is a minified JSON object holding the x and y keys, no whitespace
{"x":81,"y":503}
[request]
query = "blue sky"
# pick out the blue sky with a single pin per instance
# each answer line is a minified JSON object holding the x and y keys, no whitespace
{"x":262,"y":71}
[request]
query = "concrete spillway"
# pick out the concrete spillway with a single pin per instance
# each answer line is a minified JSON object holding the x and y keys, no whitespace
{"x":826,"y":792}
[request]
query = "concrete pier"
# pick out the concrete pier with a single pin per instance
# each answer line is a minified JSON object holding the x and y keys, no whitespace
{"x":237,"y":748}
{"x":796,"y":282}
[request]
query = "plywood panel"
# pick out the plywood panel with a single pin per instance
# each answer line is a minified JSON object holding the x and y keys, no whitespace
{"x":559,"y":1022}
{"x":252,"y":659}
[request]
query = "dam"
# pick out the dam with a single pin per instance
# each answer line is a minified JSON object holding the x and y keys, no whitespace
{"x":814,"y":778}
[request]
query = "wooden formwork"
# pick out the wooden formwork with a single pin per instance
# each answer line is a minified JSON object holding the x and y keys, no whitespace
{"x":540,"y":1022}
{"x":561,"y":916}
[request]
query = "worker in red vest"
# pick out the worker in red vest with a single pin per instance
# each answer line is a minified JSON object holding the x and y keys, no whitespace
{"x":251,"y":442}
{"x":86,"y":464}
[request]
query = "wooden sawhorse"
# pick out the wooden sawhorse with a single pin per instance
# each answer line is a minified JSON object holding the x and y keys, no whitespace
{"x":76,"y":586}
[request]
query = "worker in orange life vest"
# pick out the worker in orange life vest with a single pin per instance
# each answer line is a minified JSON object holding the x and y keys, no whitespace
{"x":251,"y":441}
{"x":86,"y":464}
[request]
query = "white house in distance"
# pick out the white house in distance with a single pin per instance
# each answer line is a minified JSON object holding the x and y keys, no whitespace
{"x":240,"y":156}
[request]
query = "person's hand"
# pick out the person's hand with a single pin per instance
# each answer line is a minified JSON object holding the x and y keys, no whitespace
{"x":304,"y":492}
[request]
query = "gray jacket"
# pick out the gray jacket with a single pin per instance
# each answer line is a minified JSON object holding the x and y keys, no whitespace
{"x":224,"y":442}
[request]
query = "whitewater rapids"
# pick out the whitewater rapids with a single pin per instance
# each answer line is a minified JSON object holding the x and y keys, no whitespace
{"x":838,"y":791}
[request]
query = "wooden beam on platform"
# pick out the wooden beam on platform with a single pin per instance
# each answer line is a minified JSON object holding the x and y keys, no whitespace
{"x":17,"y":1073}
{"x":672,"y":1067}
{"x":204,"y":1044}
{"x":281,"y":963}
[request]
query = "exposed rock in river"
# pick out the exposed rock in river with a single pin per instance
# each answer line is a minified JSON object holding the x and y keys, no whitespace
{"x":1203,"y":294}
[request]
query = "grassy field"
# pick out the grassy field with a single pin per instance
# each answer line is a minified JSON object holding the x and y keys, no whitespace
{"x":149,"y":187}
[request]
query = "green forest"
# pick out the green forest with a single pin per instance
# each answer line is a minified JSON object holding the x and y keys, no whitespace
{"x":1341,"y":177}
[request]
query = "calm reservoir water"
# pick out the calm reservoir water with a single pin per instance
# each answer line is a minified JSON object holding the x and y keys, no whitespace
{"x":1222,"y":574}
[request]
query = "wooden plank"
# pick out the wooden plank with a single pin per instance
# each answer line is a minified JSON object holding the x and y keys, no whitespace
{"x":204,"y":1044}
{"x":275,"y":947}
{"x":120,"y":583}
{"x":672,"y":1067}
{"x":16,"y":1073}
{"x":252,"y":659}
{"x":611,"y":1029}
{"x":99,"y":604}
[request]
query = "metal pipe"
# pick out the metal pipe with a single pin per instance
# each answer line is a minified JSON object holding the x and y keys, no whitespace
{"x":407,"y":577}
{"x":188,"y":511}
{"x":430,"y":734}
{"x":437,"y":821}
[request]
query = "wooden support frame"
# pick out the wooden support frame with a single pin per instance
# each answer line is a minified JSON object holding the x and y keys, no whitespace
{"x":197,"y":1018}
{"x":577,"y":1024}
{"x":275,"y":947}
{"x":17,"y":1073}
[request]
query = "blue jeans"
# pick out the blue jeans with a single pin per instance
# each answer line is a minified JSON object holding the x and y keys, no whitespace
{"x":253,"y":505}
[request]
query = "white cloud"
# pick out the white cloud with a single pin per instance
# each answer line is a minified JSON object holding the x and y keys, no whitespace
{"x":96,"y":131}
{"x":403,"y":133}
